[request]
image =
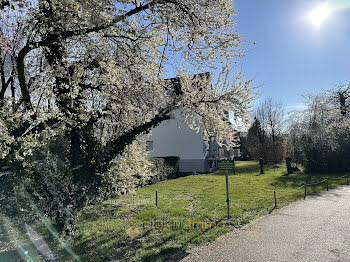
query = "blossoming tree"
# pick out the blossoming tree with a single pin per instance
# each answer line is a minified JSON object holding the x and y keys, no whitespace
{"x":320,"y":133}
{"x":94,"y":71}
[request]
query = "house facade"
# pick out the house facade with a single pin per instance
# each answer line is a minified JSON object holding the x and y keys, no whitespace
{"x":175,"y":138}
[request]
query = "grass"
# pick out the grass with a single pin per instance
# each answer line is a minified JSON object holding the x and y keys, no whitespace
{"x":132,"y":228}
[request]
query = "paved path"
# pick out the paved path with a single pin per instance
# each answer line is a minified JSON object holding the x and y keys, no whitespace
{"x":317,"y":229}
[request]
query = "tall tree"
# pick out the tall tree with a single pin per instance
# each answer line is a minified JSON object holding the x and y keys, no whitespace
{"x":322,"y":130}
{"x":265,"y":136}
{"x":271,"y":115}
{"x":94,"y":71}
{"x":256,"y":140}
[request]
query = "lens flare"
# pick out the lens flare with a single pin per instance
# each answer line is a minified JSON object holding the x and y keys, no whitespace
{"x":318,"y":15}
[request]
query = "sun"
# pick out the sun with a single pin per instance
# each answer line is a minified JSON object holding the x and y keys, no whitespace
{"x":318,"y":15}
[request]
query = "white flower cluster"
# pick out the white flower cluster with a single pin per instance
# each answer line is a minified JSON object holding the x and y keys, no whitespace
{"x":74,"y":61}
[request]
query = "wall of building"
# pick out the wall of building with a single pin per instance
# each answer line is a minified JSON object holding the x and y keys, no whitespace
{"x":174,"y":138}
{"x":191,"y":165}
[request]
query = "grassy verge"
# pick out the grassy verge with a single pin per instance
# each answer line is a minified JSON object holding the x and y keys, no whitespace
{"x":191,"y":211}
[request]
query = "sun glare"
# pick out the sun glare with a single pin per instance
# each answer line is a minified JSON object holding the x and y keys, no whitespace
{"x":319,"y":14}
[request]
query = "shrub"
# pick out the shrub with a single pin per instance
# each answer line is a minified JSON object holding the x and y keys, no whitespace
{"x":127,"y":175}
{"x":164,"y":168}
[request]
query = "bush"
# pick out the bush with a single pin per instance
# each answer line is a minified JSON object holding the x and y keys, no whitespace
{"x":127,"y":175}
{"x":164,"y":168}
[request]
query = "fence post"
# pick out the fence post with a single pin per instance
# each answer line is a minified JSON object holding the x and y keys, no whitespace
{"x":261,"y":162}
{"x":234,"y":166}
{"x":304,"y":191}
{"x":227,"y":196}
{"x":156,"y":198}
{"x":274,"y":194}
{"x":327,"y":184}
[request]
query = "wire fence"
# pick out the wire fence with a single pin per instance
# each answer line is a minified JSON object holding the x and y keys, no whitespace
{"x":305,"y":185}
{"x":277,"y":194}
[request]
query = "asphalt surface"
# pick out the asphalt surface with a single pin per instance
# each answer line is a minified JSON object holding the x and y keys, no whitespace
{"x":315,"y":229}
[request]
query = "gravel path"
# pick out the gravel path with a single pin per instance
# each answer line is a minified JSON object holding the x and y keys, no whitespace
{"x":315,"y":229}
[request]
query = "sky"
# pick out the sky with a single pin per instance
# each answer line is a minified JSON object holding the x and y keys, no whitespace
{"x":293,"y":56}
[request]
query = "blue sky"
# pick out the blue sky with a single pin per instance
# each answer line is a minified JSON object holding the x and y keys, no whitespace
{"x":293,"y":57}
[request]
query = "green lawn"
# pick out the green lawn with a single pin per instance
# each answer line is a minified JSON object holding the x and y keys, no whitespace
{"x":131,"y":227}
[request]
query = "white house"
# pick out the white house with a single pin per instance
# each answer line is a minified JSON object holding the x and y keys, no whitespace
{"x":175,"y":138}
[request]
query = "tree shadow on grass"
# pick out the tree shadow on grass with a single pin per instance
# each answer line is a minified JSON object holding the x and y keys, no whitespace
{"x":175,"y":254}
{"x":171,"y":254}
{"x":10,"y":256}
{"x":91,"y":249}
{"x":300,"y":178}
{"x":148,"y":246}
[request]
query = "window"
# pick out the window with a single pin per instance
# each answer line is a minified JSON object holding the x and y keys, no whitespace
{"x":149,"y":145}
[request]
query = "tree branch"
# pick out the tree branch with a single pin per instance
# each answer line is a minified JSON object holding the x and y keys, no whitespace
{"x":71,"y":33}
{"x":21,"y":76}
{"x":116,"y":146}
